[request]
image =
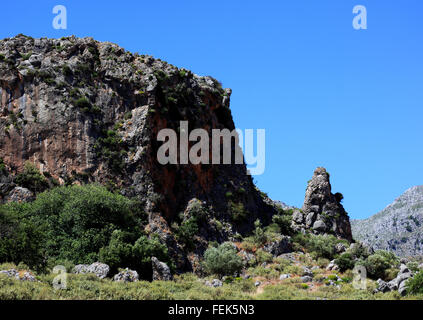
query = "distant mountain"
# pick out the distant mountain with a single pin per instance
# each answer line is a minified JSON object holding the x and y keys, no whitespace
{"x":397,"y":228}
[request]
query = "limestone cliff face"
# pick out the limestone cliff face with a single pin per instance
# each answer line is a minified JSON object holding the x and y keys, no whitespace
{"x":397,"y":228}
{"x":322,"y":212}
{"x":85,"y":111}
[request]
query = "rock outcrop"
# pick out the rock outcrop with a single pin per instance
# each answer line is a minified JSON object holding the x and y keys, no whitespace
{"x":161,"y":270}
{"x":19,"y":275}
{"x":84,"y":111}
{"x":101,"y":270}
{"x":397,"y":228}
{"x":322,"y":212}
{"x":398,"y":284}
{"x":126,"y":275}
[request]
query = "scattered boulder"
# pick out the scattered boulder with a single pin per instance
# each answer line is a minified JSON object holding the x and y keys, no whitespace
{"x":215,"y":283}
{"x":247,"y":257}
{"x":281,"y":246}
{"x":126,"y":275}
{"x":340,"y":248}
{"x":101,"y":270}
{"x":399,"y":283}
{"x":332,"y":266}
{"x":284,"y":276}
{"x":305,"y":279}
{"x":19,"y":275}
{"x":382,"y":286}
{"x":19,"y":194}
{"x":161,"y":270}
{"x":307,"y":272}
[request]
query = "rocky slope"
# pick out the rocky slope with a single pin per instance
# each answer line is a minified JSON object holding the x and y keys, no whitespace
{"x":84,"y":111}
{"x":397,"y":228}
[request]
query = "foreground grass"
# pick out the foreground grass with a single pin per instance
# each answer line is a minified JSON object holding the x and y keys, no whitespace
{"x":184,"y":287}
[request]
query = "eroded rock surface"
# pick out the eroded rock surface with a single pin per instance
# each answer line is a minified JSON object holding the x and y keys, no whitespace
{"x":322,"y":212}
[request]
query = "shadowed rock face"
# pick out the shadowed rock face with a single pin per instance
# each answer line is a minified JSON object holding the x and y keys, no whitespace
{"x":322,"y":212}
{"x":84,"y":111}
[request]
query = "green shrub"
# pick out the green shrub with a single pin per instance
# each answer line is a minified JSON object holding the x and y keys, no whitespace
{"x":20,"y":240}
{"x":263,"y":256}
{"x":238,"y":212}
{"x":259,"y":235}
{"x":67,"y":71}
{"x":32,"y":179}
{"x":2,"y":166}
{"x":283,"y":220}
{"x":415,"y":284}
{"x":376,"y":265}
{"x":319,"y":246}
{"x":187,"y":230}
{"x":124,"y":253}
{"x":413,"y":266}
{"x":345,"y":261}
{"x":222,"y":260}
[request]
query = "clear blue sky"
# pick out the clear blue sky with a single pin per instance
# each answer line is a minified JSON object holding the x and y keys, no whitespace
{"x":327,"y":95}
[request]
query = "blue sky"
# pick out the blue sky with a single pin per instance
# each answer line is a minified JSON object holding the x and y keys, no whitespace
{"x":327,"y":95}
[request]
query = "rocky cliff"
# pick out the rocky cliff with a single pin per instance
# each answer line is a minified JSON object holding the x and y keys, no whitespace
{"x":83,"y":111}
{"x":322,"y":212}
{"x":397,"y":228}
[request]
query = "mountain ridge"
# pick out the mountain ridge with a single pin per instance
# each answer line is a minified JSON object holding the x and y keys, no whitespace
{"x":397,"y":228}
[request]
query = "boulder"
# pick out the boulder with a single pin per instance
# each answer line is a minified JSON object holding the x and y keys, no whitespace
{"x":101,"y":270}
{"x":332,"y":266}
{"x":19,"y":194}
{"x":340,"y":248}
{"x":215,"y":283}
{"x":382,"y":286}
{"x":126,"y":275}
{"x":284,"y":276}
{"x":161,"y":270}
{"x":319,"y":226}
{"x":305,"y":279}
{"x":281,"y":246}
{"x":307,"y":272}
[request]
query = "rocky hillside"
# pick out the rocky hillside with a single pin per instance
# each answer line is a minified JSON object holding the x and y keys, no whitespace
{"x":82,"y":111}
{"x":397,"y":228}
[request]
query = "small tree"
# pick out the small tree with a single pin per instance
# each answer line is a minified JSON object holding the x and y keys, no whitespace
{"x":259,"y":235}
{"x":222,"y":260}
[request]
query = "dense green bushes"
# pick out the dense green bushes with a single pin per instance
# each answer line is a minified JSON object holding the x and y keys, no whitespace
{"x":32,"y":179}
{"x":222,"y":260}
{"x":378,"y":263}
{"x":283,"y":219}
{"x":80,"y":224}
{"x":19,"y":240}
{"x":319,"y":246}
{"x":123,"y":252}
{"x":415,"y":284}
{"x":345,"y":261}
